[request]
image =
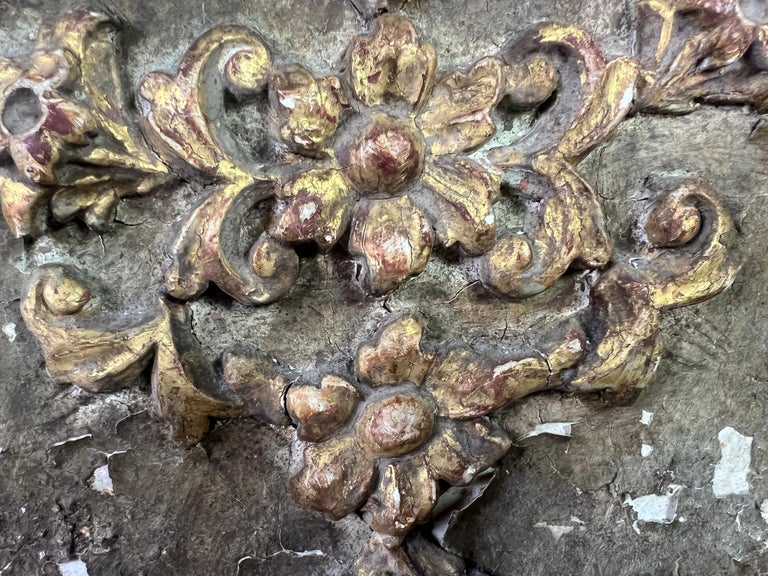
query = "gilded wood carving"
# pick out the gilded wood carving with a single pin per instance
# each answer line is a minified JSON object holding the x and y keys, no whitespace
{"x":400,"y":162}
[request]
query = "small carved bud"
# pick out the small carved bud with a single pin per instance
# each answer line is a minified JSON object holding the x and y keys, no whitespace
{"x":531,"y":83}
{"x":670,"y":228}
{"x":65,"y":296}
{"x":248,"y":70}
{"x":270,"y":256}
{"x":510,"y":256}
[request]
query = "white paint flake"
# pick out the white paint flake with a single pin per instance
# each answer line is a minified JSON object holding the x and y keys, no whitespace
{"x":645,"y":450}
{"x":10,"y":331}
{"x":559,"y":530}
{"x":554,"y":428}
{"x":307,"y":211}
{"x":655,"y":508}
{"x":556,"y":531}
{"x":101,"y":481}
{"x":646,"y":418}
{"x":731,"y":472}
{"x":499,"y":370}
{"x":73,"y":568}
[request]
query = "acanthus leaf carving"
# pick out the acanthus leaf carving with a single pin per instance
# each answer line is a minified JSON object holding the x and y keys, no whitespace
{"x":695,"y":51}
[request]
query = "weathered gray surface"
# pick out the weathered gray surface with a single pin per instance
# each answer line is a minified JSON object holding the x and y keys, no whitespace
{"x":224,"y":506}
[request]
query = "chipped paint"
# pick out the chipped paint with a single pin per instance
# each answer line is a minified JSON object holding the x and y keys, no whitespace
{"x":10,"y":331}
{"x":731,"y":472}
{"x":73,"y":568}
{"x":457,"y":499}
{"x":101,"y":481}
{"x":764,"y":510}
{"x":645,"y":450}
{"x":71,"y":439}
{"x":654,"y":508}
{"x":557,"y":531}
{"x":553,"y":428}
{"x":646,"y":418}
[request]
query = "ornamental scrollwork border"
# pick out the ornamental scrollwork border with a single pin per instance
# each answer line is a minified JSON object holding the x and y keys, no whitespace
{"x":401,"y":162}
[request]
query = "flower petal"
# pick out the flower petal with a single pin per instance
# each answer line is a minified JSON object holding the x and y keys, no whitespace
{"x":461,"y":450}
{"x":466,"y":384}
{"x":335,"y":479}
{"x":35,"y":155}
{"x":308,"y":108}
{"x":318,"y":208}
{"x":457,"y":195}
{"x":51,"y":68}
{"x":390,"y":64}
{"x":395,"y":357}
{"x":457,"y":116}
{"x":394,"y":239}
{"x":405,"y":495}
{"x":319,"y":412}
{"x":24,"y":206}
{"x":68,"y":119}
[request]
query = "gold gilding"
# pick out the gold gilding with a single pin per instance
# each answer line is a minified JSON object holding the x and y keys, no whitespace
{"x":379,"y":157}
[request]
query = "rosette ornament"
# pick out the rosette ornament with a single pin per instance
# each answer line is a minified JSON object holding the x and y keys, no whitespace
{"x":395,"y":171}
{"x":411,"y":419}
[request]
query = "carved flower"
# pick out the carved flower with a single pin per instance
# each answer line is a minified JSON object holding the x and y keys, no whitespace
{"x":62,"y":119}
{"x":402,"y":431}
{"x":36,"y":120}
{"x":392,"y":171}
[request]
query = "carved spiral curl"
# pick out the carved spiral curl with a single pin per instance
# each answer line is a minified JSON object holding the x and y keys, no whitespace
{"x":689,"y":237}
{"x":565,"y":224}
{"x":86,"y":344}
{"x":178,"y":112}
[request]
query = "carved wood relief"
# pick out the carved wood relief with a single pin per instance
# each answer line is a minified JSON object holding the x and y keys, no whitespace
{"x":392,"y":162}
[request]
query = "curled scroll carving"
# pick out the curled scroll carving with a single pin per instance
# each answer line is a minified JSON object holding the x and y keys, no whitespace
{"x":404,"y":164}
{"x":687,"y":236}
{"x":177,"y":115}
{"x":102,"y":350}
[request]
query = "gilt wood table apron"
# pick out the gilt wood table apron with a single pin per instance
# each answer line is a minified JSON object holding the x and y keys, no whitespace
{"x":388,"y":165}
